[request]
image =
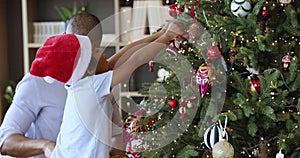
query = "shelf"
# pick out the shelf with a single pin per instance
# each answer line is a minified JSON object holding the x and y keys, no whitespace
{"x":131,"y":94}
{"x":108,"y":40}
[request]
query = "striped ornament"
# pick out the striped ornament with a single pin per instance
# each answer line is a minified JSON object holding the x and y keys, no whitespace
{"x":214,"y":134}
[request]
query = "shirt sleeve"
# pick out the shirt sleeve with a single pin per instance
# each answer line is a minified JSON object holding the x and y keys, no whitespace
{"x":102,"y":84}
{"x":21,"y":112}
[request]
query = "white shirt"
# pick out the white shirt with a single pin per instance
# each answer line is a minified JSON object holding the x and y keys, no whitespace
{"x":86,"y":129}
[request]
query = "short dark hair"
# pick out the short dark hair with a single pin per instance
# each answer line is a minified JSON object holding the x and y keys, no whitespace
{"x":86,"y":24}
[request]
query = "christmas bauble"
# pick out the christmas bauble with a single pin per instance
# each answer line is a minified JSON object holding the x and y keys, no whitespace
{"x":213,"y":135}
{"x":189,"y":105}
{"x":286,"y":62}
{"x":130,"y":125}
{"x":254,"y":83}
{"x":240,"y":7}
{"x":133,"y":147}
{"x":173,"y":47}
{"x":264,"y":13}
{"x":172,"y":10}
{"x":182,"y":111}
{"x":173,"y":103}
{"x":285,"y":1}
{"x":214,"y":53}
{"x":203,"y":79}
{"x":150,"y":66}
{"x":133,"y":155}
{"x":180,"y":9}
{"x":223,"y":149}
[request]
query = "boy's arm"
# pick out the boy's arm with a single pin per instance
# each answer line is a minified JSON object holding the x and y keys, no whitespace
{"x":120,"y":57}
{"x":145,"y":54}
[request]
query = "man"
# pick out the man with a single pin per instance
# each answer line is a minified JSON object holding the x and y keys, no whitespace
{"x":86,"y":129}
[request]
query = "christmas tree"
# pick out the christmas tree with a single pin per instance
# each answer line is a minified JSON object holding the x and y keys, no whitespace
{"x":232,"y":88}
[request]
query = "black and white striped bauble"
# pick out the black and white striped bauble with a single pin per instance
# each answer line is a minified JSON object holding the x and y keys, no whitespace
{"x":240,"y":7}
{"x":214,"y":134}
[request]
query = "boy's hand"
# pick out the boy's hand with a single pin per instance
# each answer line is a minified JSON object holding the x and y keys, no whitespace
{"x":174,"y":29}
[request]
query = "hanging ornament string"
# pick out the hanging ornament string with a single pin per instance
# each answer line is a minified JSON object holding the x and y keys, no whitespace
{"x":204,"y":15}
{"x":223,"y":129}
{"x":194,"y":16}
{"x":198,"y":4}
{"x":192,"y":10}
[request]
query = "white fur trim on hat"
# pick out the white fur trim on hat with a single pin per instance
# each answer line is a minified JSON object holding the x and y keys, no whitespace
{"x":83,"y":61}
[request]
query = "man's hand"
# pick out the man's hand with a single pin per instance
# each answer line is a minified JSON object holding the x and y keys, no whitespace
{"x":48,"y":148}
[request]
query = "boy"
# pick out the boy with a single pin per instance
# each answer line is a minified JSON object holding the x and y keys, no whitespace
{"x":86,"y":126}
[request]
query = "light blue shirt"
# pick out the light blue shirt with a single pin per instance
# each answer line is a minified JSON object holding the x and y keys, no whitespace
{"x":36,"y":110}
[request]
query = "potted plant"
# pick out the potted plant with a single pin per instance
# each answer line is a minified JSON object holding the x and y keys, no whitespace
{"x":9,"y":92}
{"x":66,"y":13}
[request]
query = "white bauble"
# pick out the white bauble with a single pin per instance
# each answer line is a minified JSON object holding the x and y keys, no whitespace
{"x":214,"y":134}
{"x":240,"y":7}
{"x":285,"y":1}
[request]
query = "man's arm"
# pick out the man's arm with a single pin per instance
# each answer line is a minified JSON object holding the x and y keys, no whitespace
{"x":121,"y":56}
{"x":18,"y":145}
{"x":18,"y":119}
{"x":145,"y":54}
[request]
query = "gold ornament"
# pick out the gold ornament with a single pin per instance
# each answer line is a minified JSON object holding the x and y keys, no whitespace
{"x":189,"y":105}
{"x":223,"y":149}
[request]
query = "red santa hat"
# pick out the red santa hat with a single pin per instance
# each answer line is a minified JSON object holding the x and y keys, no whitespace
{"x":63,"y":57}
